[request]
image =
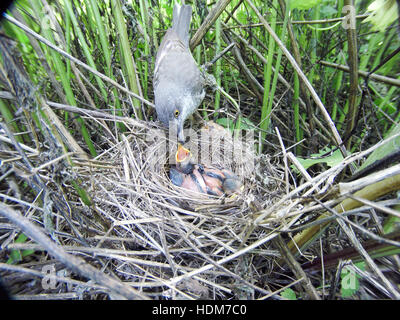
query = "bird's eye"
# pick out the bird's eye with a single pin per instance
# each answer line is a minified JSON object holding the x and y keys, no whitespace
{"x":176,"y":113}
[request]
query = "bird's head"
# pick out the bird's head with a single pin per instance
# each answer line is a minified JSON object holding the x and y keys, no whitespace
{"x":183,"y":158}
{"x":172,"y":110}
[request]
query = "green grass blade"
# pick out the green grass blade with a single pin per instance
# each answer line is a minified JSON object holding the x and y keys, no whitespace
{"x":126,"y":55}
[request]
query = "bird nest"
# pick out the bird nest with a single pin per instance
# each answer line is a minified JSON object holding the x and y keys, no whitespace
{"x":167,"y":232}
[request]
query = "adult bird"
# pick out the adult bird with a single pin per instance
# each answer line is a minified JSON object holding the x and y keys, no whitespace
{"x":179,"y":85}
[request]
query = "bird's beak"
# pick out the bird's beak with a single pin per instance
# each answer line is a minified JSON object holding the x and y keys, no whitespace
{"x":182,"y":153}
{"x":181,"y":136}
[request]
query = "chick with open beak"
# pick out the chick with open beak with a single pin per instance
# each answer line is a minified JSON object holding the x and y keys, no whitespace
{"x":199,"y":178}
{"x":184,"y":174}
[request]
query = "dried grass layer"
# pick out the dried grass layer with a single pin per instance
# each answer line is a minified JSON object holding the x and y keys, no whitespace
{"x":157,"y":238}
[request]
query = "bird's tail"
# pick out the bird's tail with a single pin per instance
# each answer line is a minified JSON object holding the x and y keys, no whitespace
{"x":181,"y":22}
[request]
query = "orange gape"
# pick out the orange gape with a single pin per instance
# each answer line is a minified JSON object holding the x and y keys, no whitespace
{"x":203,"y":179}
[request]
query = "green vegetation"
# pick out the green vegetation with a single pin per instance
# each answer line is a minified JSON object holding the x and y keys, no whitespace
{"x":311,"y":85}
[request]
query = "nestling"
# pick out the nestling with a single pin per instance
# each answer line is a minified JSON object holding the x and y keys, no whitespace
{"x":199,"y":178}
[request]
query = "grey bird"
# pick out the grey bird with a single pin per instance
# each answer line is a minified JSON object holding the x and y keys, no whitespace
{"x":179,"y":85}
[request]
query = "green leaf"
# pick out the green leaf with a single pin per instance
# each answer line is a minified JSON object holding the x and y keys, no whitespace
{"x":303,"y":4}
{"x":385,"y":149}
{"x":328,"y":11}
{"x":225,"y":122}
{"x":331,"y":160}
{"x":82,"y":194}
{"x":17,"y":255}
{"x":288,"y":294}
{"x":392,"y":223}
{"x":27,"y":252}
{"x":245,"y":124}
{"x":242,"y":17}
{"x":383,"y":14}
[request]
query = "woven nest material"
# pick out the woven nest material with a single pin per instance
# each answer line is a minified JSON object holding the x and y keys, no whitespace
{"x":172,"y":230}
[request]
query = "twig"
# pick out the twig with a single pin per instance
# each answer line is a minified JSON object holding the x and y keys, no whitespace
{"x":264,"y":60}
{"x":75,"y":60}
{"x":374,"y":76}
{"x":76,"y":264}
{"x":296,"y":268}
{"x":335,"y":133}
{"x":208,"y":22}
{"x":224,"y":260}
{"x":368,"y":277}
{"x":15,"y":268}
{"x":284,"y":159}
{"x":376,"y":206}
{"x":218,"y":56}
{"x":219,"y":266}
{"x":86,"y":112}
{"x":23,"y":146}
{"x":353,"y":70}
{"x":281,"y":289}
{"x":298,"y":165}
{"x":21,"y":86}
{"x":323,"y":176}
{"x":257,"y":87}
{"x":352,"y":237}
{"x":375,"y":244}
{"x":304,"y":93}
{"x":321,"y":21}
{"x":44,"y":165}
{"x":335,"y":280}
